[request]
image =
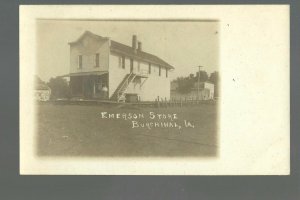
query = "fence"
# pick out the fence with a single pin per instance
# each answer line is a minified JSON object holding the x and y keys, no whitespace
{"x":160,"y":102}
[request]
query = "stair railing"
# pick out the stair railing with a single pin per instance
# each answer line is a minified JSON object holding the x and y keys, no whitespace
{"x":124,"y":85}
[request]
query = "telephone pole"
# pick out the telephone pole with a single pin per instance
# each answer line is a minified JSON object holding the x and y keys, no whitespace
{"x":199,"y":82}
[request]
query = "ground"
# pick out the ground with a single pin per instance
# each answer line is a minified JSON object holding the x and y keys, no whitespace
{"x":80,"y":130}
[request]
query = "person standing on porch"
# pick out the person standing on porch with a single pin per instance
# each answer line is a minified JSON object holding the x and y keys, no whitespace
{"x":105,"y":92}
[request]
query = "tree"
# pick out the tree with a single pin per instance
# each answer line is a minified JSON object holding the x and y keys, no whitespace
{"x":59,"y":88}
{"x":203,"y":76}
{"x":214,"y":78}
{"x":185,"y":84}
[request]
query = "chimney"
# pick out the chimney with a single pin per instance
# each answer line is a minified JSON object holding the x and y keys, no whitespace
{"x":134,"y":41}
{"x":140,"y":46}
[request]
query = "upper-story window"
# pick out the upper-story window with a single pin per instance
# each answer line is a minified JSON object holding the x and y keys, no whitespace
{"x":119,"y":61}
{"x":80,"y":62}
{"x":154,"y":69}
{"x":123,"y":62}
{"x":97,"y":60}
{"x":131,"y":65}
{"x":149,"y":69}
{"x":159,"y":72}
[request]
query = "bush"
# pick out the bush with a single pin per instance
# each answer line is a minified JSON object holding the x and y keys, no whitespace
{"x":59,"y":88}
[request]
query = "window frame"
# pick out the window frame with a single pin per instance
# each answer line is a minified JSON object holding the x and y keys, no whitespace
{"x":131,"y":65}
{"x":97,"y":60}
{"x":149,"y":68}
{"x":123,"y":62}
{"x":79,"y":62}
{"x":159,"y":70}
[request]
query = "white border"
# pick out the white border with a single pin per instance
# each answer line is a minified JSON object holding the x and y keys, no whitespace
{"x":254,"y":129}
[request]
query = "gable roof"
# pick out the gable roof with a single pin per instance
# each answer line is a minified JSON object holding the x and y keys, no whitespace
{"x":128,"y":50}
{"x":122,"y":48}
{"x":88,"y":33}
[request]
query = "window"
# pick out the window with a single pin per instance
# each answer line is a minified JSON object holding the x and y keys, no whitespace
{"x":80,"y":62}
{"x":97,"y":59}
{"x":159,"y":72}
{"x":123,"y":62}
{"x":166,"y":72}
{"x":131,"y":65}
{"x":154,"y":69}
{"x":119,"y":61}
{"x":149,"y":68}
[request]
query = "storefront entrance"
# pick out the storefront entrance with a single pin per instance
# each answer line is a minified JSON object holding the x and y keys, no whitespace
{"x":89,"y":87}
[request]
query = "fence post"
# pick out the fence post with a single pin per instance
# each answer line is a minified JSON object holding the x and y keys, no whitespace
{"x":180,"y":102}
{"x":158,"y":101}
{"x":162,"y":102}
{"x":166,"y":101}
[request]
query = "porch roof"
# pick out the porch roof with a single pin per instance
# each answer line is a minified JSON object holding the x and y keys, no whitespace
{"x":95,"y":73}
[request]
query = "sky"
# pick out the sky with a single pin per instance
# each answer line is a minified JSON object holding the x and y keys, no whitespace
{"x":183,"y":44}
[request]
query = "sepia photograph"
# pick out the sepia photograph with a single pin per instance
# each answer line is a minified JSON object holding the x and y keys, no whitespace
{"x":154,"y":90}
{"x":149,"y":101}
{"x":127,"y":88}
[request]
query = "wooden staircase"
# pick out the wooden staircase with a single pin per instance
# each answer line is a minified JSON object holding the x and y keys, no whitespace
{"x":119,"y":92}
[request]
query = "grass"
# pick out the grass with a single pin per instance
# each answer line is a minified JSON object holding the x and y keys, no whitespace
{"x":78,"y":130}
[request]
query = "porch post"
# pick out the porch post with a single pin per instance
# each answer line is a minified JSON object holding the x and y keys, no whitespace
{"x":71,"y":86}
{"x":82,"y":86}
{"x":94,"y":89}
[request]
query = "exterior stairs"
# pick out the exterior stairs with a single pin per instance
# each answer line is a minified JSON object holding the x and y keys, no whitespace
{"x":119,"y":92}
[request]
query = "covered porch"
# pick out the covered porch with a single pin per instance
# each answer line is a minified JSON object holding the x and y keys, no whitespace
{"x":89,"y":85}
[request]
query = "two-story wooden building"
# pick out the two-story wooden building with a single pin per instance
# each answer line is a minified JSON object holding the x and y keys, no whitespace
{"x":101,"y":68}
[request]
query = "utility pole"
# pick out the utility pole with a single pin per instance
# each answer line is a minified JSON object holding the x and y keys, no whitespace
{"x":199,"y":82}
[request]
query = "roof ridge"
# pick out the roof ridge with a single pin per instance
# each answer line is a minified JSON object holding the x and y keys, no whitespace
{"x":160,"y":60}
{"x":85,"y":33}
{"x":128,"y":49}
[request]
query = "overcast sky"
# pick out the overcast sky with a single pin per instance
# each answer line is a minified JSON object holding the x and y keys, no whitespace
{"x":183,"y":44}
